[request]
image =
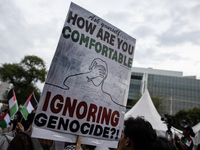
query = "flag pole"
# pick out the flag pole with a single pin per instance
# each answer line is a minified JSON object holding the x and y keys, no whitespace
{"x":21,"y":119}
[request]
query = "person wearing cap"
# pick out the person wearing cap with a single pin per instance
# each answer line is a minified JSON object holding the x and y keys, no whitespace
{"x":185,"y":142}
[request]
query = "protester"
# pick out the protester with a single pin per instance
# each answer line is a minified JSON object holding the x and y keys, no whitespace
{"x":20,"y":119}
{"x":24,"y":141}
{"x":163,"y":144}
{"x":137,"y":134}
{"x":17,"y":127}
{"x":7,"y":137}
{"x":185,"y":142}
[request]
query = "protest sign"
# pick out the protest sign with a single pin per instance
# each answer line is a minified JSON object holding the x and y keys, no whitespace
{"x":86,"y":89}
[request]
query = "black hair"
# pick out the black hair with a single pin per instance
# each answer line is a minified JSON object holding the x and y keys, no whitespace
{"x":140,"y":132}
{"x":163,"y":144}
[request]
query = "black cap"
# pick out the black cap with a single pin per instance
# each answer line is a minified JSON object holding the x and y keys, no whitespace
{"x":188,"y":128}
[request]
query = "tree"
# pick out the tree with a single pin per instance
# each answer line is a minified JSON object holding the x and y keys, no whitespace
{"x":158,"y":103}
{"x":24,"y":76}
{"x":190,"y":117}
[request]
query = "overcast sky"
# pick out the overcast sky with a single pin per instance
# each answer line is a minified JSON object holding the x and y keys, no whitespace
{"x":167,"y":32}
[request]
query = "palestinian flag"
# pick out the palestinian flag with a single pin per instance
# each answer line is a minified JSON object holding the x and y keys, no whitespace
{"x":5,"y":119}
{"x":29,"y":105}
{"x":13,"y":105}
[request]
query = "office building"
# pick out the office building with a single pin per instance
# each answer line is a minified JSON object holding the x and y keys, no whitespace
{"x":176,"y":91}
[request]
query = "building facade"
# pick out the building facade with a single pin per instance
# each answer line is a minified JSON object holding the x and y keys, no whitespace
{"x":176,"y":91}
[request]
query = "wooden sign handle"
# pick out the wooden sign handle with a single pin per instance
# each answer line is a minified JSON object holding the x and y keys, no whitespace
{"x":78,"y":143}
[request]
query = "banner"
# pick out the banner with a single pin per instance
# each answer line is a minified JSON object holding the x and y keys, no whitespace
{"x":87,"y":86}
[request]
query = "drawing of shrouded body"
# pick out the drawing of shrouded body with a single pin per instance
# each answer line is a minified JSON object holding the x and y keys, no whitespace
{"x":90,"y":84}
{"x":97,"y":73}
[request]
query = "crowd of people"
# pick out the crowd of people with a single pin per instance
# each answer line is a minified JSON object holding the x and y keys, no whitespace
{"x":137,"y":134}
{"x":17,"y":126}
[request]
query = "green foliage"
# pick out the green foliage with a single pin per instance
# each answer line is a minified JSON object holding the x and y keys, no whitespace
{"x":190,"y":117}
{"x":157,"y":101}
{"x":24,"y":76}
{"x":35,"y":68}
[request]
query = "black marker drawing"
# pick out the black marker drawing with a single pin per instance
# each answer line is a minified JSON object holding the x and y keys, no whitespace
{"x":97,"y":73}
{"x":93,"y":79}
